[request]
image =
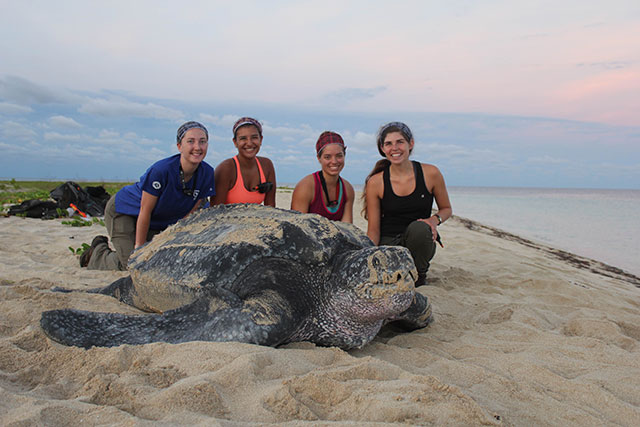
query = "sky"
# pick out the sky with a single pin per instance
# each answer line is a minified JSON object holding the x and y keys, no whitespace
{"x":497,"y":93}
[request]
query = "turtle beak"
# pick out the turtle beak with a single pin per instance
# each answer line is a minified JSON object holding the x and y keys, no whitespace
{"x":414,"y":274}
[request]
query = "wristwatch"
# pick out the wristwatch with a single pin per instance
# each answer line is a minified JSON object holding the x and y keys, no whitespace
{"x":439,"y":218}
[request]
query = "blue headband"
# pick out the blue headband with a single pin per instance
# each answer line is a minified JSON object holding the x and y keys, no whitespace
{"x":190,"y":125}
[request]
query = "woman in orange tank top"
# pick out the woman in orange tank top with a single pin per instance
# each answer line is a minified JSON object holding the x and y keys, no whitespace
{"x":246,"y":177}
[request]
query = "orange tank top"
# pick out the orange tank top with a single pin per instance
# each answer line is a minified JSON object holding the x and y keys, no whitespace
{"x":239,"y":193}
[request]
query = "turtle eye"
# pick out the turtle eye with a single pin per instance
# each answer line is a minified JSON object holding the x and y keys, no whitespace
{"x":375,"y":262}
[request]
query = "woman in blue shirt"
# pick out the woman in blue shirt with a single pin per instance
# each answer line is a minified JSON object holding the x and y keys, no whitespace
{"x":169,"y":190}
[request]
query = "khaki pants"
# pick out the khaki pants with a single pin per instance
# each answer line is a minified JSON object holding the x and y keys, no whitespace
{"x":122,"y":231}
{"x":418,"y":239}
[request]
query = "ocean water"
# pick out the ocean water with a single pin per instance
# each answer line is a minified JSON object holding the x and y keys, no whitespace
{"x":600,"y":224}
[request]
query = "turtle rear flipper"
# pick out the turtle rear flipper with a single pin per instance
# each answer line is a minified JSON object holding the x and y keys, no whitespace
{"x":202,"y":320}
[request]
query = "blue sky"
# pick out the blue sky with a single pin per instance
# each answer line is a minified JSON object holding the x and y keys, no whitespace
{"x":498,"y":93}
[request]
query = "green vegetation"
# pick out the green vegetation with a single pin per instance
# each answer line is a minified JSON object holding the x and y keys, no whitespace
{"x":79,"y":251}
{"x":79,"y":222}
{"x":15,"y":192}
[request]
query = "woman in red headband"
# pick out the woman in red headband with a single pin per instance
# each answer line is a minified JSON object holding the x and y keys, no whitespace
{"x":325,"y":192}
{"x":246,"y":178}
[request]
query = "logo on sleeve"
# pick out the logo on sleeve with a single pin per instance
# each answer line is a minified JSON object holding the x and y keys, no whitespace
{"x":156,"y":185}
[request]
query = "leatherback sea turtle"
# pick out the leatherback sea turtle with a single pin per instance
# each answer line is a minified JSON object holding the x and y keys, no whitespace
{"x":254,"y":274}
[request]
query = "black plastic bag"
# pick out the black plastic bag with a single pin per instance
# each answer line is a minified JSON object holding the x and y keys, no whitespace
{"x":35,"y":208}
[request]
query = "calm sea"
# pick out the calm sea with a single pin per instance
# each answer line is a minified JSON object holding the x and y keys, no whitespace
{"x":599,"y":224}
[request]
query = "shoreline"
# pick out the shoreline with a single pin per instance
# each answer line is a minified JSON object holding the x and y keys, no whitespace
{"x":593,"y":265}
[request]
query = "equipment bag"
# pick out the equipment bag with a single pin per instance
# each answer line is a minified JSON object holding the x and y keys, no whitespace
{"x":71,"y":193}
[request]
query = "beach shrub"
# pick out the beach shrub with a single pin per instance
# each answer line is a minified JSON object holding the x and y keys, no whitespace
{"x":16,"y":192}
{"x":79,"y":251}
{"x":80,"y":222}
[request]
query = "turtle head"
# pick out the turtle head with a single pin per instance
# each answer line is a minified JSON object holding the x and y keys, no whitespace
{"x":375,"y":283}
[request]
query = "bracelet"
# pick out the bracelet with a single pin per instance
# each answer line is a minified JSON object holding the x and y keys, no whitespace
{"x":439,"y":218}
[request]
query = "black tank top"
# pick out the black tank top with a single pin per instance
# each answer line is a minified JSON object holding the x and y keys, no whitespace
{"x":398,"y":212}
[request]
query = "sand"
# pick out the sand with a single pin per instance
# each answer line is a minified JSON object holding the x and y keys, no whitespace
{"x":523,"y":335}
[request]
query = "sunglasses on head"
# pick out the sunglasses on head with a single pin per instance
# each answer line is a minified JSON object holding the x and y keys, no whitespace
{"x":263,"y":187}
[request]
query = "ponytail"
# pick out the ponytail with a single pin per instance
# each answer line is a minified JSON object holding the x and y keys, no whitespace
{"x":380,"y":165}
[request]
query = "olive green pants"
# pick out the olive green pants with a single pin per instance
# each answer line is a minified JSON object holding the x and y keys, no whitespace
{"x":418,"y":238}
{"x":122,"y":231}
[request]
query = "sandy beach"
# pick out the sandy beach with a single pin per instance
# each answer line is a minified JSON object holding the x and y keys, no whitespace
{"x":524,"y":334}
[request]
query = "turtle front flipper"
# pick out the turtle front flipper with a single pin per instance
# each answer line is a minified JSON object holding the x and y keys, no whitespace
{"x":208,"y":319}
{"x":417,"y":316}
{"x":122,"y":290}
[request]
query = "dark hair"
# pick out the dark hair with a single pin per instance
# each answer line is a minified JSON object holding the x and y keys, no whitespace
{"x":392,"y":127}
{"x":244,"y":121}
{"x":383,"y":163}
{"x":377,"y":168}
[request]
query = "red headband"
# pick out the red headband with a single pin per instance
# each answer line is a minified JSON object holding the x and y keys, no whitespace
{"x":327,"y":138}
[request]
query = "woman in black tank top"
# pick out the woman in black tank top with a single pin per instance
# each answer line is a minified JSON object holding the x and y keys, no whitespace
{"x":399,"y":195}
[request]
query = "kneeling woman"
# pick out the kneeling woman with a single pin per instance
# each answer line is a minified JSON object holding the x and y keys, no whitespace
{"x":325,"y":192}
{"x":246,"y":178}
{"x":169,"y":190}
{"x":399,"y":195}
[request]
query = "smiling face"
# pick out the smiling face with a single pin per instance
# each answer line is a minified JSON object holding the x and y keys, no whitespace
{"x":331,"y":159}
{"x":396,"y":148}
{"x":248,"y":141}
{"x":193,"y":146}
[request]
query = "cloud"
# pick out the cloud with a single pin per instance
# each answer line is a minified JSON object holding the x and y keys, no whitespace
{"x":25,"y":92}
{"x":226,"y":120}
{"x":352,"y":94}
{"x":126,"y":133}
{"x":16,"y":131}
{"x":608,"y":65}
{"x":290,"y":160}
{"x":104,"y":133}
{"x":122,"y":107}
{"x":55,"y":136}
{"x":8,"y":108}
{"x":547,"y":160}
{"x":449,"y":152}
{"x":359,"y":141}
{"x":299,"y":133}
{"x":63,"y":122}
{"x":104,"y":146}
{"x":284,"y":133}
{"x":15,"y":149}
